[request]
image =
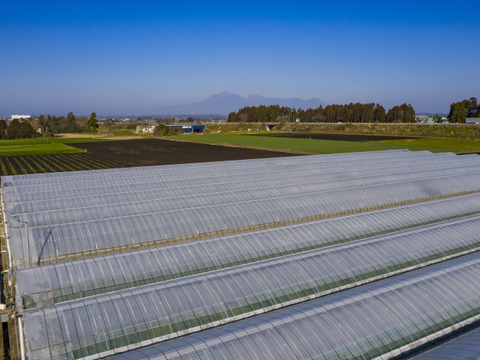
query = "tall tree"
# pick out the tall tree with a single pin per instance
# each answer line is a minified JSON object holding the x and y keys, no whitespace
{"x":472,"y":107}
{"x":70,"y":124}
{"x":44,"y":125}
{"x":233,"y":117}
{"x":3,"y":129}
{"x":379,"y":114}
{"x":401,"y":114}
{"x":53,"y":125}
{"x":12,"y":129}
{"x":25,"y":131}
{"x":92,"y":123}
{"x":458,"y":112}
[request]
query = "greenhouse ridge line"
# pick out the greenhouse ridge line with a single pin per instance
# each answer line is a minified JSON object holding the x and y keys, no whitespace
{"x":291,"y":299}
{"x":168,"y":202}
{"x":146,"y":245}
{"x":416,"y":284}
{"x":250,"y":271}
{"x":333,"y":246}
{"x":216,"y":250}
{"x":238,"y":178}
{"x":185,"y":223}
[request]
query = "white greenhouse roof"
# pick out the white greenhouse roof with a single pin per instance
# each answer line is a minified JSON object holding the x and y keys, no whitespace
{"x":365,"y":322}
{"x":54,"y":283}
{"x":463,"y":347}
{"x":354,"y":255}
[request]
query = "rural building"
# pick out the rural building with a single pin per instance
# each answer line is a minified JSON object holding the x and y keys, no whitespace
{"x":442,"y":120}
{"x":421,"y":118}
{"x":472,"y":120}
{"x":425,"y":119}
{"x":186,"y":129}
{"x":146,"y":129}
{"x":20,"y":117}
{"x":356,"y":255}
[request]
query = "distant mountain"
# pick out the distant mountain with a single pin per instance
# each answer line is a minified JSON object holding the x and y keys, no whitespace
{"x":225,"y":102}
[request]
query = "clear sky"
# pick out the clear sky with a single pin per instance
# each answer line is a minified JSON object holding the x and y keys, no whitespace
{"x":118,"y":57}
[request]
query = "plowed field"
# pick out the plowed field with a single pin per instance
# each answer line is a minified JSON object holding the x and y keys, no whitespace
{"x":128,"y":153}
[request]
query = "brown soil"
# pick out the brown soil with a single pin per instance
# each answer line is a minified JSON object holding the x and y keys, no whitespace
{"x":342,"y":137}
{"x":145,"y":152}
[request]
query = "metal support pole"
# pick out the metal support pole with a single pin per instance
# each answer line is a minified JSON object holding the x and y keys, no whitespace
{"x":5,"y":224}
{"x":22,"y":344}
{"x":28,"y":242}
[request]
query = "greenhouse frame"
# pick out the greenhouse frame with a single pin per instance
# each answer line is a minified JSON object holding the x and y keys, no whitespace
{"x":345,"y":256}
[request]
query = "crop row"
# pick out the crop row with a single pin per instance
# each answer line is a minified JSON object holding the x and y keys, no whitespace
{"x":34,"y":164}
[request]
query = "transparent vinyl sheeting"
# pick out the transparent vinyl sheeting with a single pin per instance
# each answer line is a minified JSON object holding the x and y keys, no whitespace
{"x":82,"y":179}
{"x":195,"y":190}
{"x":46,"y":285}
{"x":71,"y":199}
{"x":330,"y":256}
{"x":362,"y":322}
{"x":463,"y":347}
{"x":64,"y":242}
{"x":179,"y":200}
{"x":184,"y":305}
{"x":29,"y":188}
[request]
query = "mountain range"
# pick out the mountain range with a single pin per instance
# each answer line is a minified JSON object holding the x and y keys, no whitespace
{"x":226,"y":102}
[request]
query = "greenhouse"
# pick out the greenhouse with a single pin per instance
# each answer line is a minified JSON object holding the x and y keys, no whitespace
{"x":43,"y":244}
{"x":464,"y":347}
{"x":74,"y":279}
{"x":379,"y":319}
{"x":358,"y":255}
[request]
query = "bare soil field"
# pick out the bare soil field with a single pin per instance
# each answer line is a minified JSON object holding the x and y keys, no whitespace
{"x":128,"y":153}
{"x":145,"y":152}
{"x":341,"y":137}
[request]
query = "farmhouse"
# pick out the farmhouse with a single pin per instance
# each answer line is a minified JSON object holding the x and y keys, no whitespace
{"x":186,"y":129}
{"x":356,"y":255}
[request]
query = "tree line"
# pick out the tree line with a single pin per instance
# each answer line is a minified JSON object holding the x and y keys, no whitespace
{"x":47,"y":126}
{"x":459,"y":111}
{"x":351,"y":113}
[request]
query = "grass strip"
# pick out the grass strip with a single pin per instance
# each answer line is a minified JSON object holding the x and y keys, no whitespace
{"x":331,"y":146}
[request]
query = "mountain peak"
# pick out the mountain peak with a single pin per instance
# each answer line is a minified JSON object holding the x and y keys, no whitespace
{"x":222,"y":95}
{"x":226,"y":102}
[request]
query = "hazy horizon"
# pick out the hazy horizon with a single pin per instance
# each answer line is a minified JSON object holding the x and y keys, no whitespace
{"x":124,"y":58}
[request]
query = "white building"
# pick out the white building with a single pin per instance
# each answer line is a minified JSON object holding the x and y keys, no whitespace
{"x":20,"y":117}
{"x":145,"y":129}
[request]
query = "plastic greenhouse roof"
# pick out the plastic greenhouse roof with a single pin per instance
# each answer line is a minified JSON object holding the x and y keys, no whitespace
{"x":384,"y":317}
{"x":193,"y":183}
{"x":289,"y":184}
{"x":184,"y":305}
{"x":182,"y":175}
{"x":463,"y":347}
{"x":132,"y":203}
{"x":332,"y":256}
{"x":189,"y":170}
{"x":51,"y":243}
{"x":46,"y":285}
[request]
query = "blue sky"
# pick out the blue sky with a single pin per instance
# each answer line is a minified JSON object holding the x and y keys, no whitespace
{"x":119,"y":57}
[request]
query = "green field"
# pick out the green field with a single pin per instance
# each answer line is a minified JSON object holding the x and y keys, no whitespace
{"x":41,"y":146}
{"x":440,"y":144}
{"x":333,"y":146}
{"x":37,"y":149}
